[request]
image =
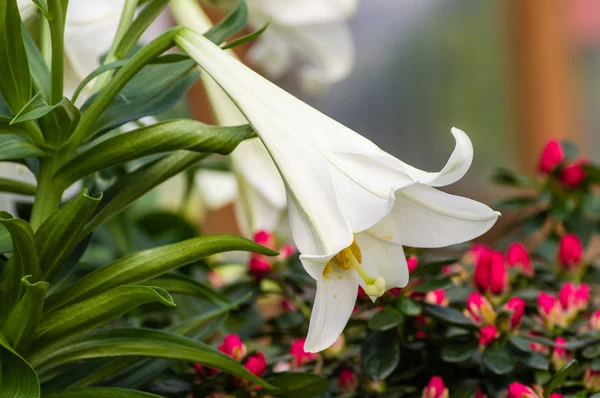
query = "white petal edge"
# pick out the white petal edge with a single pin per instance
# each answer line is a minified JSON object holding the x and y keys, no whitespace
{"x":303,"y":12}
{"x":426,"y":217}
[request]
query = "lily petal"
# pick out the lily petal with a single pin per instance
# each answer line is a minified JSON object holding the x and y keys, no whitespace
{"x":381,"y":258}
{"x":302,"y":12}
{"x":426,"y":217}
{"x":334,"y":302}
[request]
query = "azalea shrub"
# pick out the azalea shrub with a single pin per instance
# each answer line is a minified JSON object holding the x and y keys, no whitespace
{"x":355,"y":274}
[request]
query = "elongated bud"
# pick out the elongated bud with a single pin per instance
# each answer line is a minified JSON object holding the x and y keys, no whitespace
{"x":595,"y":321}
{"x":518,"y":257}
{"x":301,"y":357}
{"x":437,"y":297}
{"x":412,"y":263}
{"x":591,"y":380}
{"x":574,"y":298}
{"x":256,"y":364}
{"x":516,"y":306}
{"x":479,"y":310}
{"x":552,"y":156}
{"x":518,"y":390}
{"x":435,"y":389}
{"x":570,"y":252}
{"x":490,"y":272}
{"x":233,"y":346}
{"x":560,"y":356}
{"x":573,"y":174}
{"x":550,"y":310}
{"x":488,"y":334}
{"x":479,"y":393}
{"x":347,"y":381}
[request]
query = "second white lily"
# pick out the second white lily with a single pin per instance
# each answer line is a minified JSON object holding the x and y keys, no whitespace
{"x":351,"y":205}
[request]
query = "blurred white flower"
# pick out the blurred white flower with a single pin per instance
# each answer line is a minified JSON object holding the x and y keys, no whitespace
{"x":351,"y":205}
{"x":314,"y":32}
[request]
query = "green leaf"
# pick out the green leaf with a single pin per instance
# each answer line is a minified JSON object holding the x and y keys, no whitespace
{"x":148,"y":264}
{"x":14,"y":186}
{"x":459,"y":351}
{"x":42,"y":5}
{"x":380,"y":354}
{"x":24,"y":261}
{"x":498,"y":359}
{"x":181,"y":284}
{"x":141,"y":343}
{"x":296,"y":385}
{"x":88,"y":314}
{"x":409,"y":307}
{"x":60,"y":122}
{"x":230,"y":25}
{"x":433,"y":268}
{"x":157,"y":138}
{"x":247,"y":38}
{"x":37,"y":66}
{"x":33,"y":110}
{"x":503,"y":176}
{"x":516,"y":202}
{"x":139,"y":26}
{"x":58,"y":236}
{"x":135,"y":184}
{"x":23,"y":318}
{"x":433,"y":283}
{"x":591,"y":352}
{"x":570,"y":149}
{"x":15,"y":83}
{"x":386,"y":319}
{"x":18,"y":377}
{"x":559,"y":378}
{"x":16,"y":147}
{"x":153,"y":90}
{"x":447,"y":315}
{"x":99,"y":392}
{"x":536,"y":361}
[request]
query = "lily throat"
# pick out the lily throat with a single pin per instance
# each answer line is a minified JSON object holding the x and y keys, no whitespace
{"x":350,"y":258}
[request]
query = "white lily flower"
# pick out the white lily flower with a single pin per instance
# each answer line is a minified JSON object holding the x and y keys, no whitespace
{"x":314,"y":31}
{"x":351,"y":205}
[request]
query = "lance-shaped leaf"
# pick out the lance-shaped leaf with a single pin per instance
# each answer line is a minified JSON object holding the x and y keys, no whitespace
{"x":24,"y":261}
{"x":96,"y":311}
{"x":16,"y":147}
{"x":99,"y":392}
{"x":230,"y":25}
{"x":148,"y":264}
{"x":14,"y":186}
{"x":181,"y":284}
{"x":157,"y":138}
{"x":58,"y":236}
{"x":23,"y":318}
{"x":15,"y":83}
{"x":40,"y":73}
{"x":139,"y":26}
{"x":18,"y":377}
{"x":141,"y":343}
{"x":153,"y":90}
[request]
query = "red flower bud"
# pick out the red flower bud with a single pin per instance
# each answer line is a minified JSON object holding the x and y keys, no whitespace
{"x":488,"y":334}
{"x":552,"y":156}
{"x":347,"y":381}
{"x":518,"y":257}
{"x":412,"y":263}
{"x":595,"y":321}
{"x":256,"y":364}
{"x":560,"y":356}
{"x":479,"y":393}
{"x":537,"y":347}
{"x":572,"y":175}
{"x":591,"y":379}
{"x":550,"y":310}
{"x":437,"y":297}
{"x":570,"y":251}
{"x":233,"y":346}
{"x":490,"y":272}
{"x":286,"y":251}
{"x":301,"y":357}
{"x":479,"y":310}
{"x":518,"y":390}
{"x":435,"y":389}
{"x":556,"y":395}
{"x":516,"y":305}
{"x":265,"y":238}
{"x":573,"y":298}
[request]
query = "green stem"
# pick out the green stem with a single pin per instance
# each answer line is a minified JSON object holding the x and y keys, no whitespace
{"x":58,"y":58}
{"x":124,"y":24}
{"x":34,"y":133}
{"x":141,"y":58}
{"x":45,"y":43}
{"x":48,"y":194}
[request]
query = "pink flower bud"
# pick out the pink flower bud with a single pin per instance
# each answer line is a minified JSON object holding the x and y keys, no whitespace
{"x":591,"y":379}
{"x":435,"y":389}
{"x":518,"y":257}
{"x":479,"y":393}
{"x":516,"y":305}
{"x":233,"y":346}
{"x":215,"y":279}
{"x":537,"y":347}
{"x":560,"y":356}
{"x":595,"y":321}
{"x":479,"y":310}
{"x":574,"y":298}
{"x":552,"y":156}
{"x":437,"y":297}
{"x":488,"y":334}
{"x":347,"y":381}
{"x":412,"y":263}
{"x":265,"y":238}
{"x":570,"y":251}
{"x":256,"y":364}
{"x":287,"y":305}
{"x":550,"y":310}
{"x":556,"y":395}
{"x":518,"y":390}
{"x":301,"y":357}
{"x":490,"y":272}
{"x":259,"y":266}
{"x":572,"y":175}
{"x":286,"y":251}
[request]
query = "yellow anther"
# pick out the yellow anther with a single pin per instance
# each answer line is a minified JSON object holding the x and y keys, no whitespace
{"x":355,"y":249}
{"x":327,"y":271}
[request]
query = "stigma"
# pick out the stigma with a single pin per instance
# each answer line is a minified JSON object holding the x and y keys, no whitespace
{"x":350,"y":258}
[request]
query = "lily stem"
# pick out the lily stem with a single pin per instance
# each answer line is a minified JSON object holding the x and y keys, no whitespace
{"x":56,"y":34}
{"x":48,"y":194}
